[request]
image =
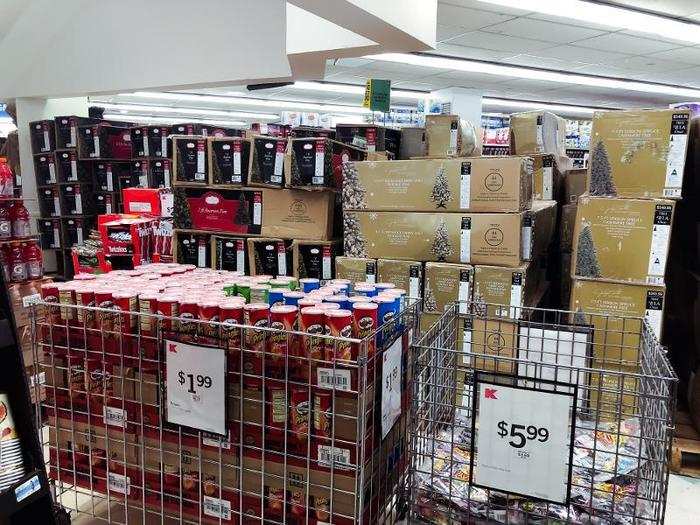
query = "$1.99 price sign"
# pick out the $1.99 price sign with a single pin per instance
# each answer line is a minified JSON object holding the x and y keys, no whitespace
{"x":523,"y":441}
{"x":195,"y":386}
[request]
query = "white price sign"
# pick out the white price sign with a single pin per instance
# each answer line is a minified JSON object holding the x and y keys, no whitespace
{"x":391,"y":385}
{"x":195,"y":386}
{"x":523,"y":441}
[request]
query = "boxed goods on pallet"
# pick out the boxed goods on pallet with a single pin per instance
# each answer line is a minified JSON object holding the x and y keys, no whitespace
{"x":505,"y":239}
{"x":507,"y":287}
{"x":50,"y":202}
{"x":412,"y":143}
{"x":622,"y":239}
{"x":478,"y":184}
{"x":575,"y":185}
{"x":190,"y":159}
{"x":638,"y":153}
{"x":314,"y":259}
{"x":267,"y":256}
{"x":223,"y":210}
{"x":45,"y":169}
{"x":537,"y":132}
{"x":68,"y":169}
{"x":67,"y":130}
{"x":546,"y":181}
{"x":267,"y":162}
{"x":449,"y":136}
{"x":50,"y":233}
{"x":152,"y":173}
{"x":229,"y":160}
{"x":76,"y":199}
{"x":192,"y":248}
{"x":106,"y":203}
{"x":42,"y":136}
{"x":367,"y":136}
{"x":104,"y":141}
{"x":297,"y":214}
{"x":230,"y":253}
{"x":446,"y":284}
{"x":356,"y":269}
{"x":405,"y":275}
{"x":108,"y":175}
{"x":309,"y":163}
{"x":151,"y":141}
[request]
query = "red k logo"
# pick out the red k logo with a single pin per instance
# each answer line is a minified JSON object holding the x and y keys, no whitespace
{"x":172,"y":347}
{"x":490,"y":393}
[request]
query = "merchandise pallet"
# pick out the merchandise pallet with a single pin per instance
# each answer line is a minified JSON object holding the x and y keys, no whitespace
{"x":540,"y":417}
{"x":309,"y":437}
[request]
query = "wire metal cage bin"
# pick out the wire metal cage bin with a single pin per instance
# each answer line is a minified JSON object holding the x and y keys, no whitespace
{"x":315,"y":425}
{"x":526,"y":415}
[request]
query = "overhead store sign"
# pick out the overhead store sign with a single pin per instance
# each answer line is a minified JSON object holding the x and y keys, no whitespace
{"x":377,"y":95}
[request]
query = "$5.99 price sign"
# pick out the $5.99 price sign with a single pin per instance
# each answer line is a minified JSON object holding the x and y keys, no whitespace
{"x":195,"y":386}
{"x":523,"y":441}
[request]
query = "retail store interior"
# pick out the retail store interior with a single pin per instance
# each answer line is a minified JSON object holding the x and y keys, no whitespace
{"x":350,"y":262}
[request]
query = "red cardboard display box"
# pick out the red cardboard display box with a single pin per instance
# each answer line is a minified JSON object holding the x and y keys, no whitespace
{"x":156,"y":202}
{"x":127,"y":236}
{"x":231,"y":211}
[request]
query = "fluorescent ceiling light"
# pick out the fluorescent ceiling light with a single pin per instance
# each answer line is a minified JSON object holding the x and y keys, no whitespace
{"x":169,"y":120}
{"x":526,"y":104}
{"x":354,"y":90}
{"x":475,"y":66}
{"x":610,"y":16}
{"x":184,"y":111}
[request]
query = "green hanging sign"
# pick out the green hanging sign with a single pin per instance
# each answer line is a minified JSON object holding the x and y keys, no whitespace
{"x":377,"y":95}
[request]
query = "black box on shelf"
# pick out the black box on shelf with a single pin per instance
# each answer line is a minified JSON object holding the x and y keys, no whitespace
{"x":67,"y":130}
{"x":42,"y":136}
{"x":301,"y":132}
{"x":309,"y":163}
{"x":368,"y":136}
{"x":151,"y":141}
{"x":50,"y":201}
{"x":392,"y":142}
{"x":315,"y":259}
{"x":152,"y":173}
{"x":229,"y":159}
{"x":267,"y":162}
{"x":75,"y":230}
{"x":45,"y":169}
{"x":230,"y":253}
{"x":191,"y":248}
{"x":77,"y":199}
{"x":50,"y":233}
{"x":104,"y":141}
{"x":69,"y":169}
{"x":106,"y":202}
{"x":187,"y":128}
{"x":219,"y":132}
{"x":190,"y":159}
{"x":268,"y":256}
{"x":107,"y":174}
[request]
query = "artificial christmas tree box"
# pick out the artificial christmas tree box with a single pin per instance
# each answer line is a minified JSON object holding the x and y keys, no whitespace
{"x":68,"y":169}
{"x":297,"y":214}
{"x":266,"y":165}
{"x":638,"y":153}
{"x":223,"y":210}
{"x":445,"y":136}
{"x":575,"y":185}
{"x":405,"y":275}
{"x":481,"y":340}
{"x":477,"y":184}
{"x":151,"y":141}
{"x":269,"y":256}
{"x":229,"y":160}
{"x":229,"y":253}
{"x":546,"y":180}
{"x":446,"y":284}
{"x":505,"y":289}
{"x":45,"y":169}
{"x":367,"y":136}
{"x":308,"y":163}
{"x":314,"y":259}
{"x":623,"y":240}
{"x":190,"y":159}
{"x":356,"y":269}
{"x":537,"y":132}
{"x":192,"y":248}
{"x":67,"y":130}
{"x":42,"y":136}
{"x":109,"y":174}
{"x":152,"y":173}
{"x":566,"y":227}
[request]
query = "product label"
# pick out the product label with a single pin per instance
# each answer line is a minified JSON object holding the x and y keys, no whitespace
{"x":339,"y":457}
{"x":73,"y":136}
{"x":540,"y":133}
{"x":237,"y":160}
{"x":200,"y":174}
{"x":143,"y":175}
{"x":56,"y":237}
{"x":201,"y":255}
{"x":164,"y":145}
{"x":654,"y":309}
{"x":78,"y":202}
{"x":47,"y":143}
{"x":391,"y":385}
{"x":95,"y":146}
{"x":326,"y":264}
{"x":281,"y":260}
{"x":56,"y":205}
{"x":166,"y":175}
{"x":677,"y":148}
{"x":79,"y":234}
{"x":145,"y":146}
{"x":547,"y":178}
{"x":465,"y":240}
{"x":516,"y":294}
{"x":27,"y":488}
{"x":454,"y":130}
{"x":467,"y":331}
{"x":371,"y":273}
{"x":240,"y":258}
{"x":464,"y":290}
{"x":118,"y":483}
{"x":465,"y":186}
{"x":319,"y":164}
{"x":414,"y":282}
{"x":257,"y":209}
{"x":73,"y":169}
{"x":526,"y":238}
{"x":329,"y":378}
{"x":279,"y":163}
{"x":115,"y":417}
{"x":217,"y":508}
{"x":110,"y":180}
{"x":52,"y":172}
{"x":660,"y":238}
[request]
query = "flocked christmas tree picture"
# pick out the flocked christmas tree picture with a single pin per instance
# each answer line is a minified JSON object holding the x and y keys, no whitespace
{"x":587,"y":264}
{"x":441,"y":193}
{"x":354,"y":241}
{"x":601,"y":182}
{"x":442,"y":247}
{"x":429,"y":303}
{"x":243,"y":212}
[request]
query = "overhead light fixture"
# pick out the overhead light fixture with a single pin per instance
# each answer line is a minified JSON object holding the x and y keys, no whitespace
{"x":610,"y":16}
{"x":489,"y":68}
{"x":183,"y":111}
{"x":351,"y":89}
{"x":527,"y":104}
{"x":169,"y":120}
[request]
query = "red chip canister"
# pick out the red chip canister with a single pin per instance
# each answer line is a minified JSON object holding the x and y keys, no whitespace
{"x":311,"y":321}
{"x":283,"y":318}
{"x":255,"y":315}
{"x":365,"y":322}
{"x":340,"y":324}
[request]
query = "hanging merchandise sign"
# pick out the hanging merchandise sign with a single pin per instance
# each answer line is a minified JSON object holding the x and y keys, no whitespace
{"x":377,"y":95}
{"x":195,"y":386}
{"x":524,"y":438}
{"x":391,"y":385}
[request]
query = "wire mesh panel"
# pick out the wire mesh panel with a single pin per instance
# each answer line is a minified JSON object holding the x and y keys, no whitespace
{"x":311,"y":432}
{"x":539,"y":416}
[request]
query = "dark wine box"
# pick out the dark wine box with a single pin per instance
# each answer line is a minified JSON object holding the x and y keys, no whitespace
{"x":151,"y":141}
{"x":77,"y":199}
{"x":267,"y":162}
{"x":67,"y":130}
{"x":315,"y":259}
{"x":230,"y":253}
{"x":269,"y":256}
{"x":309,"y":163}
{"x":45,"y":169}
{"x":50,"y":202}
{"x":106,"y":202}
{"x":190,"y":159}
{"x":229,"y":160}
{"x":69,"y":169}
{"x":42,"y":135}
{"x":107,"y":174}
{"x":50,"y":233}
{"x":193,"y":249}
{"x":104,"y":141}
{"x":75,"y":230}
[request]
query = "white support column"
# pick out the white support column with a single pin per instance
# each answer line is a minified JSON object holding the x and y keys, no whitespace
{"x":464,"y":102}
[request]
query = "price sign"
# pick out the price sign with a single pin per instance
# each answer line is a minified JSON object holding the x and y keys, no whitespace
{"x":523,"y":442}
{"x":391,"y":385}
{"x":195,"y":386}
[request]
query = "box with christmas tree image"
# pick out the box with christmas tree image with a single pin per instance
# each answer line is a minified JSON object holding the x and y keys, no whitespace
{"x":406,"y":275}
{"x":356,"y":269}
{"x":625,"y":240}
{"x":479,"y":184}
{"x":446,"y":284}
{"x":230,"y":211}
{"x":638,"y":153}
{"x":315,"y":259}
{"x":505,"y":289}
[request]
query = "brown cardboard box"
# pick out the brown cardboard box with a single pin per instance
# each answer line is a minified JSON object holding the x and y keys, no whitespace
{"x":17,"y":292}
{"x":566,"y":227}
{"x":505,"y":239}
{"x":446,"y":284}
{"x":575,"y":185}
{"x":443,"y":135}
{"x":474,"y":184}
{"x":624,"y":240}
{"x":546,"y":181}
{"x":481,"y":340}
{"x":504,"y":287}
{"x":314,"y":259}
{"x":412,"y":143}
{"x":308,"y":163}
{"x":534,"y":132}
{"x":356,"y":269}
{"x":638,"y":153}
{"x":427,"y":320}
{"x":406,"y":275}
{"x":297,"y":214}
{"x":565,"y":280}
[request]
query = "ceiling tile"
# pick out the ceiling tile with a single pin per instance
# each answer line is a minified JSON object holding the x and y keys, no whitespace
{"x":626,"y":44}
{"x":647,"y":64}
{"x":580,"y":54}
{"x":467,"y":18}
{"x":686,"y":77}
{"x":542,"y":30}
{"x":476,"y":4}
{"x":567,"y":20}
{"x":496,"y":42}
{"x":544,"y":62}
{"x":671,"y":7}
{"x":446,"y":32}
{"x":473,"y":53}
{"x":466,"y":78}
{"x":687,"y":55}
